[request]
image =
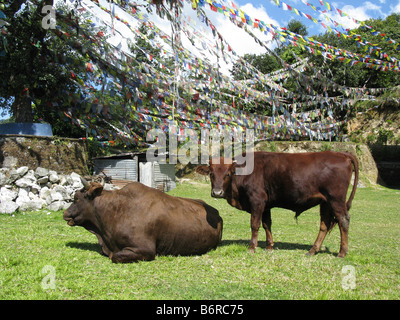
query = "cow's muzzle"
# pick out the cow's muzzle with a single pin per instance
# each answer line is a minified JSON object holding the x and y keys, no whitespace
{"x":217,"y":193}
{"x":69,"y":220}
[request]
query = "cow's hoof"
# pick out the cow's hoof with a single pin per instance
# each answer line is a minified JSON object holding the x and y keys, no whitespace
{"x":311,"y":253}
{"x":252,"y":250}
{"x":269,"y":249}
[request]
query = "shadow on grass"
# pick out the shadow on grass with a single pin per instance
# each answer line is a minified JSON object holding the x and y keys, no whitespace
{"x":277,"y":245}
{"x":89,"y":246}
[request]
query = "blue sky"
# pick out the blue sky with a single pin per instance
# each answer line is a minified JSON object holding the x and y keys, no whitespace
{"x":269,"y":12}
{"x":358,"y":9}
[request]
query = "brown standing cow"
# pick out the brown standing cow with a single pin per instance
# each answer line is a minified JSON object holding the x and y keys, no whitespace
{"x":296,"y":182}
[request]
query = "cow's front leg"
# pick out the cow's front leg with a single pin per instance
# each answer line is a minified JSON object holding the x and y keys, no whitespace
{"x":129,"y":254}
{"x":104,"y":249}
{"x":255,"y":226}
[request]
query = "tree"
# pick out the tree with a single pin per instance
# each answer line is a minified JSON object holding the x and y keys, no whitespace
{"x":142,"y":46}
{"x":265,"y":63}
{"x":18,"y":67}
{"x":297,"y":27}
{"x":31,"y":72}
{"x":358,"y":75}
{"x":290,"y":53}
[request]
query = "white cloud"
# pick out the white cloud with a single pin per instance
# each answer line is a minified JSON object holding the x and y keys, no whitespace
{"x":396,"y":8}
{"x":239,"y":39}
{"x":360,"y":13}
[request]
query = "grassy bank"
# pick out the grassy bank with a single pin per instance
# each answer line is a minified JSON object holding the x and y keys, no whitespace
{"x":43,"y":258}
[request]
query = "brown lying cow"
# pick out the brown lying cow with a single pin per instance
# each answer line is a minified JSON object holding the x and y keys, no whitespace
{"x":291,"y":181}
{"x":138,"y":222}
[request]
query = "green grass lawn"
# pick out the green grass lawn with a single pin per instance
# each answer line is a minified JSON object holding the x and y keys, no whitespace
{"x":41,"y":257}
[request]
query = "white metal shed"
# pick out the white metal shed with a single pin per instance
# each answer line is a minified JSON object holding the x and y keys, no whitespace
{"x":134,"y":167}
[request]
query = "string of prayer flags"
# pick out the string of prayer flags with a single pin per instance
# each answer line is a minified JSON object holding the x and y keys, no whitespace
{"x":3,"y":32}
{"x":394,"y":65}
{"x":370,"y":47}
{"x":120,"y":99}
{"x":331,"y":7}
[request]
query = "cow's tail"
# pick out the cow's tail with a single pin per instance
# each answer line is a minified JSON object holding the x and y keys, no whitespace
{"x":354,"y":161}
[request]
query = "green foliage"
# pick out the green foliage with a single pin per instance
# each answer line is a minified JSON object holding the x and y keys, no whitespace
{"x":323,"y":71}
{"x":29,"y":72}
{"x":384,"y":135}
{"x":359,"y":76}
{"x":297,"y":27}
{"x":326,"y":146}
{"x":264,"y":63}
{"x":343,"y":74}
{"x":35,"y":74}
{"x":141,"y":42}
{"x":290,"y":53}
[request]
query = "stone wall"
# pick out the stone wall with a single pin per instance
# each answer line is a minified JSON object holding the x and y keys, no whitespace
{"x":24,"y":189}
{"x":368,"y":168}
{"x":62,"y":155}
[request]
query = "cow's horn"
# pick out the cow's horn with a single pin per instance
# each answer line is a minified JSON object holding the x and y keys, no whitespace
{"x":85,"y":183}
{"x":102,"y":181}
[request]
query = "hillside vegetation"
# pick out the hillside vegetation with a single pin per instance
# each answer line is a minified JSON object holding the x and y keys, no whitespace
{"x":377,"y":121}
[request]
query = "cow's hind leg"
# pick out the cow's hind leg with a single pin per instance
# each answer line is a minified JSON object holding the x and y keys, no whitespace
{"x":267,"y":223}
{"x":327,"y":223}
{"x":129,"y":254}
{"x":343,"y":219}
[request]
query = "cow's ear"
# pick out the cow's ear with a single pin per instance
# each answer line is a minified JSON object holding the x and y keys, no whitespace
{"x":94,"y":191}
{"x":204,"y":170}
{"x":236,"y":165}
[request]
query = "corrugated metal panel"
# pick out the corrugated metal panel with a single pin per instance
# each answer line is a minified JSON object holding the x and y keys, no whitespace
{"x":146,"y":173}
{"x":118,"y":169}
{"x":164,"y":176}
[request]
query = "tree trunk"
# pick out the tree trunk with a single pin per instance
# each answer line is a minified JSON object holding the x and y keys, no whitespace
{"x":22,"y":108}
